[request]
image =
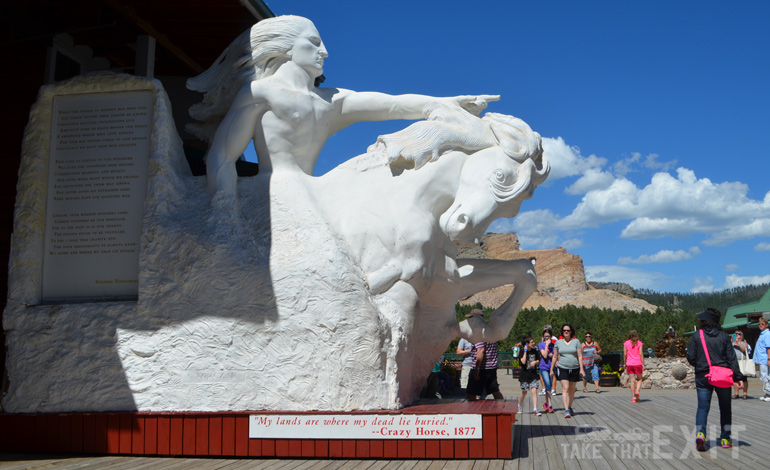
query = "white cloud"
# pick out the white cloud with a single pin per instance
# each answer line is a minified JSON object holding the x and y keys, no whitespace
{"x":703,"y":285}
{"x":536,"y":229}
{"x":566,"y":160}
{"x":651,"y":162}
{"x":634,"y":277}
{"x":741,"y":230}
{"x":663,"y":256}
{"x":624,"y":166}
{"x":732,"y":267}
{"x":673,"y":206}
{"x":572,"y":243}
{"x":733,"y":280}
{"x":593,"y":179}
{"x":762,"y":247}
{"x":604,"y":206}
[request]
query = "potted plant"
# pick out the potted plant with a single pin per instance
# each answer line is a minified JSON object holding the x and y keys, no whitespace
{"x":608,"y":377}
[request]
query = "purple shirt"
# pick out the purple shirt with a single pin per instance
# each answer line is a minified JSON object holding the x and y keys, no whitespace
{"x":490,"y":355}
{"x":545,"y":364}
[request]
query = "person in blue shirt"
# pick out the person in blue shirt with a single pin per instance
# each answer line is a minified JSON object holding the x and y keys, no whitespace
{"x":761,"y":352}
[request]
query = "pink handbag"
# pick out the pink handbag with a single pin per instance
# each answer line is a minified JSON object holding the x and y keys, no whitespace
{"x":720,"y":377}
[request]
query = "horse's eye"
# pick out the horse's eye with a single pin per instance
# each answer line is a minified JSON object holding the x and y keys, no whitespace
{"x":501,"y":177}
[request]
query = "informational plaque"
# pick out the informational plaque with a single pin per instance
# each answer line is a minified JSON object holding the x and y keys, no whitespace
{"x":100,"y":147}
{"x":361,"y":426}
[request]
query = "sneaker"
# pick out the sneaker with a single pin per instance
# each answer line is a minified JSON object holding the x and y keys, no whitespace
{"x":726,"y":443}
{"x":572,"y":412}
{"x":536,"y":413}
{"x":700,"y":442}
{"x":542,"y":392}
{"x":637,"y":397}
{"x":545,"y":408}
{"x":633,"y":399}
{"x":519,"y":412}
{"x":567,"y":414}
{"x":554,"y":393}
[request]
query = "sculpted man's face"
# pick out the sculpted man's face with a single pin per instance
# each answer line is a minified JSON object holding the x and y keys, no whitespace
{"x":309,"y":52}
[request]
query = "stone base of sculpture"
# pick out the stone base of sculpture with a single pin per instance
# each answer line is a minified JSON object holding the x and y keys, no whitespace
{"x":261,"y":300}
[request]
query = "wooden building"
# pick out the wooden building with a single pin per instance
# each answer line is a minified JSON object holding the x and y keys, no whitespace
{"x":43,"y":41}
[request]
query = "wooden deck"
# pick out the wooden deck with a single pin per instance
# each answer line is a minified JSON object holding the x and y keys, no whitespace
{"x":608,"y":432}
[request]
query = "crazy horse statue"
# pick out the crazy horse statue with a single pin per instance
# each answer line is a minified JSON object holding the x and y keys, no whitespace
{"x":289,"y":291}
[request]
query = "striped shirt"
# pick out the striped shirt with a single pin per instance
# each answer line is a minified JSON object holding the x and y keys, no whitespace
{"x":589,"y":352}
{"x":490,"y":355}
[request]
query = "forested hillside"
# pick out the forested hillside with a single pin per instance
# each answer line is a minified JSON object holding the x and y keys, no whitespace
{"x":720,"y":300}
{"x":610,"y":327}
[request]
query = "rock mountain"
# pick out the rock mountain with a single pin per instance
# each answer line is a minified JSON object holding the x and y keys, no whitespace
{"x":560,"y":277}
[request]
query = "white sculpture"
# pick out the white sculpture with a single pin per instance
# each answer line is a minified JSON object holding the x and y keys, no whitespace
{"x":395,"y":211}
{"x":282,"y":291}
{"x":264,"y":86}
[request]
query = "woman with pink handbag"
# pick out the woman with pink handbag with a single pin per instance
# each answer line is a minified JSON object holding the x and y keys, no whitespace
{"x":716,"y":367}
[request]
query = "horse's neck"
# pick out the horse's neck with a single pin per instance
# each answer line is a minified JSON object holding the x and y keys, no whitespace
{"x":434,"y":186}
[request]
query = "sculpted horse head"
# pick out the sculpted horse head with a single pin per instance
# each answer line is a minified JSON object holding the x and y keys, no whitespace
{"x":446,"y":178}
{"x":505,"y":162}
{"x":495,"y":181}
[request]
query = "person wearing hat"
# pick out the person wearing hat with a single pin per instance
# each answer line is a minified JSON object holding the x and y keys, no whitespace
{"x":483,"y":377}
{"x":720,"y":353}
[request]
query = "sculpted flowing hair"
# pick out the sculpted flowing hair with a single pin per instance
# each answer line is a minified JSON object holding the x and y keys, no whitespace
{"x":449,"y":127}
{"x":256,"y":53}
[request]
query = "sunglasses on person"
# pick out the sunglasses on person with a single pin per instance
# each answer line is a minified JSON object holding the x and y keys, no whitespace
{"x":566,"y":331}
{"x":588,"y":336}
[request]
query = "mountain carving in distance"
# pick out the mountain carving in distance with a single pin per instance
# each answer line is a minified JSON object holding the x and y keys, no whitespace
{"x":561,"y":279}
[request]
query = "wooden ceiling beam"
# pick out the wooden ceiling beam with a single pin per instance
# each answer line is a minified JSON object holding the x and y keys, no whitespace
{"x":130,"y":15}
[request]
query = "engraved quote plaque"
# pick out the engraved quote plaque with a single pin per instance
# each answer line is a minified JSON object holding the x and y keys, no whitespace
{"x":100,"y":147}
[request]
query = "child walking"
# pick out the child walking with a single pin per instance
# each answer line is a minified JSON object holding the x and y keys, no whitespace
{"x":529,"y":357}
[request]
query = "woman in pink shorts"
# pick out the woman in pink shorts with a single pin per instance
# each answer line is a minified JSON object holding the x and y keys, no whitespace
{"x":633,"y":360}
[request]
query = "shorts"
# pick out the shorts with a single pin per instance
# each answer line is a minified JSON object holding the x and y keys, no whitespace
{"x":487,"y":382}
{"x":534,"y":385}
{"x":572,"y":375}
{"x":634,"y":370}
{"x":591,"y":371}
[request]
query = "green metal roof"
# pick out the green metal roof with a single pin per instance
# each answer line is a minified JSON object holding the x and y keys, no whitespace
{"x":738,"y":315}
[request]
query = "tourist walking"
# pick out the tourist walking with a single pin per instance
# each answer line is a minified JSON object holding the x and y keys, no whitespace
{"x":633,"y":361}
{"x":568,"y":356}
{"x":483,"y":377}
{"x":545,"y":348}
{"x":709,"y":348}
{"x":465,"y":349}
{"x":529,"y":357}
{"x":762,"y":357}
{"x":591,"y":349}
{"x":742,"y":352}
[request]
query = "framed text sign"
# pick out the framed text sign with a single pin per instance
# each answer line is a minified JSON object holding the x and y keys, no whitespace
{"x":361,"y":426}
{"x":99,"y":152}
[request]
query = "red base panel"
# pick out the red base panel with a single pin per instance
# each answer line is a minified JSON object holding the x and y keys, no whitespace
{"x":226,"y":434}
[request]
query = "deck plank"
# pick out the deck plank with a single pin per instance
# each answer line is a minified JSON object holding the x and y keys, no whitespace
{"x":539,"y":443}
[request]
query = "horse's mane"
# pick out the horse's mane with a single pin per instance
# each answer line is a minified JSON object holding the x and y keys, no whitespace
{"x":448,"y":128}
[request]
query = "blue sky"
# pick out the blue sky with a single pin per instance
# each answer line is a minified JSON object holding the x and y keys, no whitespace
{"x":655,"y":116}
